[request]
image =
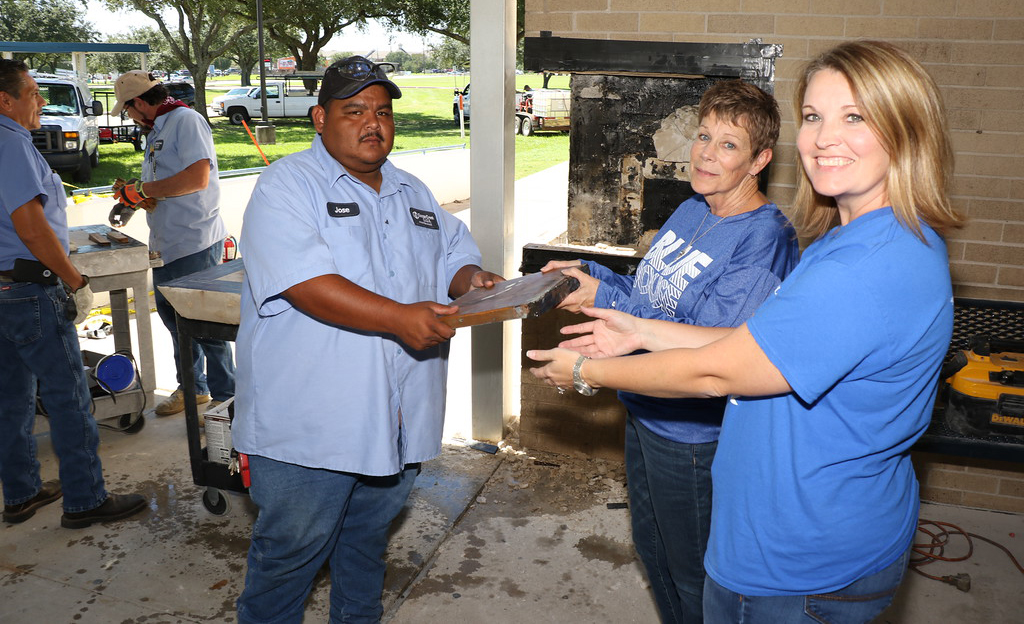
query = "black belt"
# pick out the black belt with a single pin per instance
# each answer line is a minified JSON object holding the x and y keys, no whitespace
{"x":7,"y":273}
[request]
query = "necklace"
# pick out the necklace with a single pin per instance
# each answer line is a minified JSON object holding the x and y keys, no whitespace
{"x":694,"y":237}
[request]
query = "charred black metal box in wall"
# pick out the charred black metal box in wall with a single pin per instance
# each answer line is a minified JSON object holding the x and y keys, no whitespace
{"x":633,"y":119}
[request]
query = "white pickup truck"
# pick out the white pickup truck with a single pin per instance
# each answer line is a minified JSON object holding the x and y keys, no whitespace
{"x":285,"y":98}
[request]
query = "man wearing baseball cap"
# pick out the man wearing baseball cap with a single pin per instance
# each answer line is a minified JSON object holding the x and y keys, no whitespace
{"x":346,"y":259}
{"x":180,"y":177}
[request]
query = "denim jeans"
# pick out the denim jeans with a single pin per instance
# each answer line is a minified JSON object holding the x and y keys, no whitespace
{"x":310,"y":516}
{"x":219,"y":361}
{"x":669,"y":486}
{"x":861,"y":601}
{"x":39,"y":343}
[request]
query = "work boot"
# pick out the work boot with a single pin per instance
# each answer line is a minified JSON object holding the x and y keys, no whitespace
{"x":116,"y":507}
{"x":13,"y":514}
{"x":176,"y":403}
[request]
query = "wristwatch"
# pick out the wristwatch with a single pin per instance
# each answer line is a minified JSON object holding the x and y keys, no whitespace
{"x":577,"y":379}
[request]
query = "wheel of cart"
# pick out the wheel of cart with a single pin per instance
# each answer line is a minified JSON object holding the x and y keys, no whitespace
{"x":216,"y":501}
{"x":210,"y":468}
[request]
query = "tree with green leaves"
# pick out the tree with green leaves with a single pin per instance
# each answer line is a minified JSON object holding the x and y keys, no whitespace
{"x":305,"y":27}
{"x":451,"y":54}
{"x":445,"y":17}
{"x":244,"y":51}
{"x":406,"y":61}
{"x":200,"y":35}
{"x":158,"y":57}
{"x":44,"y":20}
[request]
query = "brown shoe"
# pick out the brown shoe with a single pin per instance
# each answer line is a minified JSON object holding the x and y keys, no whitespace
{"x":13,"y":514}
{"x":116,"y":507}
{"x":176,"y":403}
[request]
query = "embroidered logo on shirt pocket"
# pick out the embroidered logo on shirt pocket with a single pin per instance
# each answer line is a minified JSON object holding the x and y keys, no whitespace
{"x":342,"y":210}
{"x":424,"y":219}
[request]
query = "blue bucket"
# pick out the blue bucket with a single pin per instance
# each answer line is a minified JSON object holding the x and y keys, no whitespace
{"x":116,"y":372}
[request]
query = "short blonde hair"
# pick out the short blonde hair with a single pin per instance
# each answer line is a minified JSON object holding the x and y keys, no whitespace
{"x":901,"y":104}
{"x":745,"y":105}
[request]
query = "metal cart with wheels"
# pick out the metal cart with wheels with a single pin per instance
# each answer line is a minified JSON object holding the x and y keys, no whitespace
{"x":206,"y":306}
{"x":114,"y":263}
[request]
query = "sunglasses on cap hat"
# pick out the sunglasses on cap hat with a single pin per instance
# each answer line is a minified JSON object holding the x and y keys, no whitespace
{"x":348,"y":77}
{"x":359,"y":68}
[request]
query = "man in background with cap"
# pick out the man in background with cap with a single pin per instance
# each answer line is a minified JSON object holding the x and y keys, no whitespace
{"x":342,"y":359}
{"x":179,"y":170}
{"x":41,"y":293}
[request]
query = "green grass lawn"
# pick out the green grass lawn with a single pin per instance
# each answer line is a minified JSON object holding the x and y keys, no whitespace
{"x":423,"y":118}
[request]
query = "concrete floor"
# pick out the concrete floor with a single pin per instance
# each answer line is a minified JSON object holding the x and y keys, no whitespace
{"x":502,"y":538}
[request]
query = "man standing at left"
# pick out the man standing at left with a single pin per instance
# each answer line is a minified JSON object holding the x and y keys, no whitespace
{"x":180,"y":170}
{"x":41,"y":293}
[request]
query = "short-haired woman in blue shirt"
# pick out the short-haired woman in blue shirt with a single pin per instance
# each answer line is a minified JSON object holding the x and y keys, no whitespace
{"x":716,"y":259}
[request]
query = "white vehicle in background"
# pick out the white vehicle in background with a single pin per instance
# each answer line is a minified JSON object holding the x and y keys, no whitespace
{"x":217,"y":104}
{"x":68,"y":136}
{"x":291,"y":96}
{"x":461,"y":99}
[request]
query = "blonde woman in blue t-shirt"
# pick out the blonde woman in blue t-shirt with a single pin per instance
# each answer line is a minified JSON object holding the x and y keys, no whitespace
{"x":832,"y":380}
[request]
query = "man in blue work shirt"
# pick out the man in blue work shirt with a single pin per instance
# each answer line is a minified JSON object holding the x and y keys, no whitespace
{"x":179,"y":168}
{"x":41,"y":293}
{"x":342,"y":359}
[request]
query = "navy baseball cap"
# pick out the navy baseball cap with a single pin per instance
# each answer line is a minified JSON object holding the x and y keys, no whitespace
{"x":349,"y":76}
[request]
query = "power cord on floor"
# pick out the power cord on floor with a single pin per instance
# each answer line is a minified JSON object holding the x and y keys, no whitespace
{"x":940,"y":534}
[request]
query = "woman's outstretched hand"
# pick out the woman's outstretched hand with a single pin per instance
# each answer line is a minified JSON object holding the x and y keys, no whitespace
{"x":613,"y":333}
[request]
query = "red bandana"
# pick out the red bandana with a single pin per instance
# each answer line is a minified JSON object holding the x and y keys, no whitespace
{"x":165,"y":107}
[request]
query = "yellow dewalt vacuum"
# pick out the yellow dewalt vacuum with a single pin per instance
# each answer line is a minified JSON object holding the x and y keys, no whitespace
{"x":985,"y":392}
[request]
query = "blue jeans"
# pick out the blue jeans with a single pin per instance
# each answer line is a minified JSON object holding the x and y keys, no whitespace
{"x":311,"y":516}
{"x":861,"y":601}
{"x":221,"y":364}
{"x":39,"y":343}
{"x":669,"y":486}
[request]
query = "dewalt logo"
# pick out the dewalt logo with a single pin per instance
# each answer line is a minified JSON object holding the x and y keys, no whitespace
{"x":999,"y":419}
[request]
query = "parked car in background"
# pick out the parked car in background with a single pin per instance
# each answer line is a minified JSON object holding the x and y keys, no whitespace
{"x":464,"y":95}
{"x":217,"y":104}
{"x":290,"y":97}
{"x":68,"y":136}
{"x":182,"y":91}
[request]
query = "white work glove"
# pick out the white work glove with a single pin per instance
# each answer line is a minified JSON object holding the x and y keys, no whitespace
{"x":80,"y":302}
{"x":83,"y":302}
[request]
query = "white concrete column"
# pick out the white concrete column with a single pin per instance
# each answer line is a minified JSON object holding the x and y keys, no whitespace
{"x":79,"y":67}
{"x":492,"y":177}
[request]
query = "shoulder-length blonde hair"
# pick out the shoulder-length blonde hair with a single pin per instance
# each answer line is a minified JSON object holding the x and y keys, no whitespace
{"x":901,"y":104}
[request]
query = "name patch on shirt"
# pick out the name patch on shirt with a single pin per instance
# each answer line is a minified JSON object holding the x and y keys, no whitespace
{"x":424,"y":219}
{"x":158,"y":145}
{"x":342,"y":210}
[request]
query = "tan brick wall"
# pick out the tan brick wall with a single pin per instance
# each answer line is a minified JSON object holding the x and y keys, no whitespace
{"x":975,"y":51}
{"x":971,"y":482}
